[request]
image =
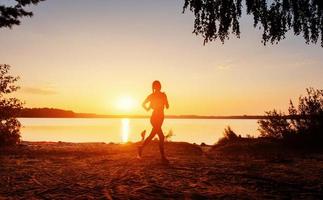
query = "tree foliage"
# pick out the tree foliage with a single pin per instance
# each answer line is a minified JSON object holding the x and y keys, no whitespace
{"x":276,"y":126}
{"x":9,"y":108}
{"x":11,"y":15}
{"x":305,"y":120}
{"x":216,"y":19}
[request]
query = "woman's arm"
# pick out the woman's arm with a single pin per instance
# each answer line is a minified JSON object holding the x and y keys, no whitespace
{"x":166,"y":102}
{"x":144,"y":104}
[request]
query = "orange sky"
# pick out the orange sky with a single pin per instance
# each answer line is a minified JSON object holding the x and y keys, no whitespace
{"x":86,"y":57}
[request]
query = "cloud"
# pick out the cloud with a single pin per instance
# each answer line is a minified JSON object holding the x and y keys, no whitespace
{"x":305,"y":62}
{"x":225,"y":65}
{"x":38,"y":91}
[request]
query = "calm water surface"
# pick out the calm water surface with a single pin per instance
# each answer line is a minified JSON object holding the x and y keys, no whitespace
{"x":123,"y":130}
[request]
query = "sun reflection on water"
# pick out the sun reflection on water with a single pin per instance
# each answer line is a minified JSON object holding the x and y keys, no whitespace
{"x":125,"y":130}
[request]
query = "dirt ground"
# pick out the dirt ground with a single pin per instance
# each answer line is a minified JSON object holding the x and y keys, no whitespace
{"x":112,"y":171}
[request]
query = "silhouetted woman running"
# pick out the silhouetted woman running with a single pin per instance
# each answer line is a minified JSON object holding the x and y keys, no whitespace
{"x":158,"y":101}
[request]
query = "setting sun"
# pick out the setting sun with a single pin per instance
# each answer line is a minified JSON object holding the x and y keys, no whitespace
{"x":126,"y":103}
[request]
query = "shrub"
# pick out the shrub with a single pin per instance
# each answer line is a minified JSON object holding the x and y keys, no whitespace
{"x":228,"y":135}
{"x":9,"y":108}
{"x":306,"y":119}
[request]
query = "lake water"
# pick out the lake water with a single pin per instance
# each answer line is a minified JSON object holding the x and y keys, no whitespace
{"x":123,"y":130}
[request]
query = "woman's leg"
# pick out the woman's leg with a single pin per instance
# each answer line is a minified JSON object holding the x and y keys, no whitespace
{"x":148,"y":139}
{"x":161,"y":137}
{"x":161,"y":143}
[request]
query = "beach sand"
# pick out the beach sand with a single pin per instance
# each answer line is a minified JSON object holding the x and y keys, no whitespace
{"x":40,"y":170}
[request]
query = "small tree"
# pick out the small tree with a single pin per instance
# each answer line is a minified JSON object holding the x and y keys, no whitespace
{"x":308,"y":117}
{"x":9,"y":108}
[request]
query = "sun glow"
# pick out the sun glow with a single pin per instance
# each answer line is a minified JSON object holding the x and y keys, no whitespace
{"x":126,"y":103}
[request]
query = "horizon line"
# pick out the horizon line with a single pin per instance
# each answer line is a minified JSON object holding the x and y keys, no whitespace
{"x":46,"y":112}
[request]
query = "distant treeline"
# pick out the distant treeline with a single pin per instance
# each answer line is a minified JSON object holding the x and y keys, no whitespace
{"x":53,"y":113}
{"x":59,"y":113}
{"x":46,"y":112}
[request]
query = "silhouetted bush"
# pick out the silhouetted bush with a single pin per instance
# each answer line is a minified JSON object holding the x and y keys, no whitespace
{"x":9,"y":108}
{"x":228,"y":135}
{"x":303,"y":122}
